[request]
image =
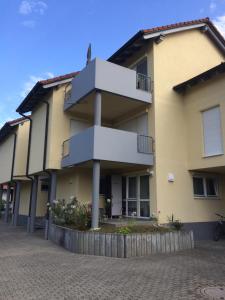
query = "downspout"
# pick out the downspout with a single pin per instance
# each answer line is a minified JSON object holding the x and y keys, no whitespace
{"x":45,"y":160}
{"x":12,"y":169}
{"x":14,"y":154}
{"x":28,"y":157}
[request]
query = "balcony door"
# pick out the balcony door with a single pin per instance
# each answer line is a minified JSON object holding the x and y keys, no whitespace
{"x":137,"y":199}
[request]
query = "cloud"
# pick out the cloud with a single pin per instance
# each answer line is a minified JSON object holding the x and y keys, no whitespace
{"x":29,"y":23}
{"x":32,"y":6}
{"x":212,"y":6}
{"x":29,"y":84}
{"x":219,"y":22}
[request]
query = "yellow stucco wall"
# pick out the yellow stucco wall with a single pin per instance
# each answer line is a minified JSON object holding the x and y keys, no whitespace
{"x":179,"y":57}
{"x":21,"y":149}
{"x":75,"y":182}
{"x":6,"y":158}
{"x":199,"y":98}
{"x":37,"y":139}
{"x":42,"y":200}
{"x":24,"y":198}
{"x":59,"y":129}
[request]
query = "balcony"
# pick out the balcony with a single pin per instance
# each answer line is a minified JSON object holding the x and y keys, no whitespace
{"x":116,"y":83}
{"x":107,"y":144}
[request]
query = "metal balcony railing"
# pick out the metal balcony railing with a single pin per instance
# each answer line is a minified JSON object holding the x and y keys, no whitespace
{"x":66,"y":148}
{"x":143,"y":82}
{"x":145,"y":144}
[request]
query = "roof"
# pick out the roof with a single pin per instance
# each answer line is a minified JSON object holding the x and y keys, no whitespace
{"x":137,"y":41}
{"x":207,"y":75}
{"x":9,"y":126}
{"x":40,"y":89}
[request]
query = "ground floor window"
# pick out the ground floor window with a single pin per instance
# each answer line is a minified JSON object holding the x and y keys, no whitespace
{"x":205,"y":186}
{"x":137,"y":196}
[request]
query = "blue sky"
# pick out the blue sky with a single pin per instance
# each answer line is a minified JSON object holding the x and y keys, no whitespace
{"x":45,"y":38}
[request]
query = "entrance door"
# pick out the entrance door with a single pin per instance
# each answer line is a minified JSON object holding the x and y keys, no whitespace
{"x":116,"y":183}
{"x":137,"y":198}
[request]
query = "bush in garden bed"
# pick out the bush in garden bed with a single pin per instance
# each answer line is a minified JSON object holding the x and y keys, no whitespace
{"x":74,"y":214}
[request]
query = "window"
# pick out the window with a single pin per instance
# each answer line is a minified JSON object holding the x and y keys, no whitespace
{"x":132,"y":188}
{"x":205,"y":186}
{"x":198,"y":184}
{"x":213,"y":144}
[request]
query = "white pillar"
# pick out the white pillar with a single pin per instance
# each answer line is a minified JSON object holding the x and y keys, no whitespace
{"x":95,"y":194}
{"x":96,"y":165}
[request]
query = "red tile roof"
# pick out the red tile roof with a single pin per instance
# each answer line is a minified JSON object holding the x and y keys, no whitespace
{"x":58,"y":78}
{"x":176,"y":25}
{"x":18,"y":120}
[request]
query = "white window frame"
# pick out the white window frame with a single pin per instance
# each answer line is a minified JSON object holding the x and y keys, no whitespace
{"x":204,"y":177}
{"x":138,"y":200}
{"x":203,"y":132}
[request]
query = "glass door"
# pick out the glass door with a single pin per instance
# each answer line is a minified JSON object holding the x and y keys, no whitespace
{"x":132,"y":196}
{"x":137,"y":197}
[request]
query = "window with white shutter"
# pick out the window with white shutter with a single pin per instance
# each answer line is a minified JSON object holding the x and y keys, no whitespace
{"x":213,"y":142}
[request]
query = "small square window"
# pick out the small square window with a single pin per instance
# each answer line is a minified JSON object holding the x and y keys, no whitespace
{"x":198,"y":185}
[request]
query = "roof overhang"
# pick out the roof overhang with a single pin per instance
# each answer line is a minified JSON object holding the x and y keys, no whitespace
{"x":205,"y":76}
{"x":140,"y":39}
{"x":9,"y":127}
{"x":38,"y":92}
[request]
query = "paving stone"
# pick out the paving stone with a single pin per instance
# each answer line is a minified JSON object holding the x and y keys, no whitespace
{"x":32,"y":268}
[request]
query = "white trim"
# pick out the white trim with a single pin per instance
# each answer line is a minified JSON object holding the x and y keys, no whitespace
{"x":46,"y":86}
{"x":204,"y":177}
{"x":169,"y":31}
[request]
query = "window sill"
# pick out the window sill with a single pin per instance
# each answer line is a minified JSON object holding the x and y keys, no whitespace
{"x":206,"y":198}
{"x":213,"y":155}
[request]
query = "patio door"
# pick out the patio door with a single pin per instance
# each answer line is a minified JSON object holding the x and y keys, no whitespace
{"x":137,"y":196}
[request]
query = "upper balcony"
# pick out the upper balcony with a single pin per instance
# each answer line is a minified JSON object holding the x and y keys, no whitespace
{"x":119,"y":85}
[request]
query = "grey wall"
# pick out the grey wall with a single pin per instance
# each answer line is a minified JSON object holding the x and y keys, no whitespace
{"x":106,"y":76}
{"x":201,"y":230}
{"x":104,"y":143}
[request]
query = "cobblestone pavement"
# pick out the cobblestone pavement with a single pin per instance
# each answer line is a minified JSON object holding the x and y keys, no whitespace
{"x":32,"y":268}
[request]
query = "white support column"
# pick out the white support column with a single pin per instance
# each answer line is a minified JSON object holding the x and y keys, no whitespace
{"x":6,"y":219}
{"x":96,"y":165}
{"x":33,"y":205}
{"x":17,"y":203}
{"x":97,"y":108}
{"x":95,"y":195}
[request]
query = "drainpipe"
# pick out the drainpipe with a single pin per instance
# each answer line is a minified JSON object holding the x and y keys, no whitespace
{"x":44,"y":165}
{"x":12,"y":170}
{"x":27,"y":167}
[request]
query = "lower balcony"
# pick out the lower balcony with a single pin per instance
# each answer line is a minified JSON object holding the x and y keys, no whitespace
{"x":107,"y":144}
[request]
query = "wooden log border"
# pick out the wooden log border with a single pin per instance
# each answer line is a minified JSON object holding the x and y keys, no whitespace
{"x":120,"y":245}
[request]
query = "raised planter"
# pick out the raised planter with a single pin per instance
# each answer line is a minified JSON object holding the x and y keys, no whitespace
{"x":120,"y":245}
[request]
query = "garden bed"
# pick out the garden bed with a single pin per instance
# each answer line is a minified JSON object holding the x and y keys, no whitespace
{"x":120,"y":245}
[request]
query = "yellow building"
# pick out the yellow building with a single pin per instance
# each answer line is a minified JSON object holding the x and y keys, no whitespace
{"x":143,"y":130}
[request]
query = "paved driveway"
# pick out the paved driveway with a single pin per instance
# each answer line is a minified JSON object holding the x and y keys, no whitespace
{"x":32,"y":268}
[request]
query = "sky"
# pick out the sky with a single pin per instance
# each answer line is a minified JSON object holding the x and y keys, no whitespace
{"x":40,"y":39}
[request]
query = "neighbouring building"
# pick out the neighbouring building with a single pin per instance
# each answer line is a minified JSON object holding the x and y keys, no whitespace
{"x":144,"y":128}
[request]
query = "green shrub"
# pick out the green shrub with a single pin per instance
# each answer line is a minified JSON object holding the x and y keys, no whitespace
{"x":71,"y":213}
{"x":123,"y":230}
